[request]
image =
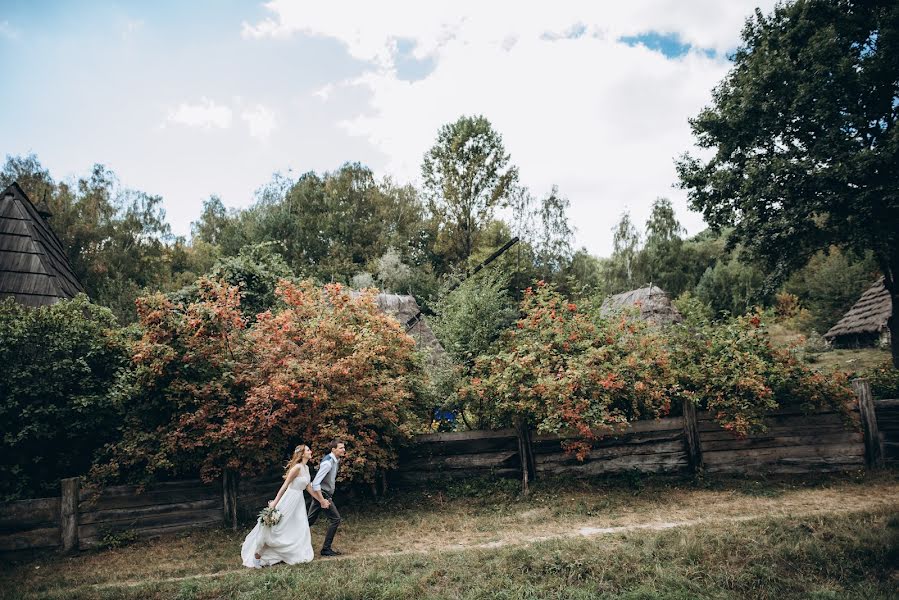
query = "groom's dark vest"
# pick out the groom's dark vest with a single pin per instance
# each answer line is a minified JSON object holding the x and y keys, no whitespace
{"x":330,"y":478}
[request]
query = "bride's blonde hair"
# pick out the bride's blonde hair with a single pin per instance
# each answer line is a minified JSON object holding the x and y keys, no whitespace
{"x":295,"y":459}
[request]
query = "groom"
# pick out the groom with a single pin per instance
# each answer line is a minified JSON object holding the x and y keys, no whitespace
{"x":324,"y":482}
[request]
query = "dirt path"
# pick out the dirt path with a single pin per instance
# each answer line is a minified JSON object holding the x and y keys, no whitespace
{"x":535,"y":525}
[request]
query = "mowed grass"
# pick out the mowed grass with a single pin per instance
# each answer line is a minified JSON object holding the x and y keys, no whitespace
{"x":834,"y":537}
{"x":850,"y":556}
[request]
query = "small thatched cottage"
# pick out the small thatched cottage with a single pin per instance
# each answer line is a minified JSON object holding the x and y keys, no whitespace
{"x":403,"y":309}
{"x":866,"y":322}
{"x":654,"y":304}
{"x":33,"y":265}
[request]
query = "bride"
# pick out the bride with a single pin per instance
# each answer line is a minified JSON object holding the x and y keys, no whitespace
{"x":289,"y":541}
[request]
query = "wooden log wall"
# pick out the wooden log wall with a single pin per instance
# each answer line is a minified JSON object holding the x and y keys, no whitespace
{"x":794,"y":442}
{"x":649,"y":446}
{"x":253,"y":494}
{"x":30,"y":524}
{"x":888,"y":423}
{"x":162,"y":508}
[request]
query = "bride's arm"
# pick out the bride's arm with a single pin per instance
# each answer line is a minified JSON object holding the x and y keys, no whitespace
{"x":290,"y":477}
{"x":318,"y":496}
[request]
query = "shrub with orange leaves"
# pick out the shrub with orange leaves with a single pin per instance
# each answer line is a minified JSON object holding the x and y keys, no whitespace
{"x":207,"y":392}
{"x":568,"y":374}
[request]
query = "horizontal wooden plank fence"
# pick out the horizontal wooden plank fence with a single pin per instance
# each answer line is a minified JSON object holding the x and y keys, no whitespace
{"x":793,"y":443}
{"x":888,"y":423}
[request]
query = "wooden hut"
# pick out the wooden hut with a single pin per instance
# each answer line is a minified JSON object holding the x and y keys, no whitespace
{"x":866,"y":322}
{"x":33,"y":265}
{"x":654,"y":304}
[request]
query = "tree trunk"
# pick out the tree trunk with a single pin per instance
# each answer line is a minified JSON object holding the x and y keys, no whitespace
{"x":889,"y":282}
{"x":230,"y":483}
{"x":525,"y":454}
{"x":893,"y":325}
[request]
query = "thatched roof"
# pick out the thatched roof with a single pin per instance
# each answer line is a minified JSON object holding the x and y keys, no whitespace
{"x":867,"y":317}
{"x":33,"y":265}
{"x":653,"y":301}
{"x":403,"y":308}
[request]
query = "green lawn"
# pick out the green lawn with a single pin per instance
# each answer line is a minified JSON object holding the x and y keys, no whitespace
{"x":834,"y":537}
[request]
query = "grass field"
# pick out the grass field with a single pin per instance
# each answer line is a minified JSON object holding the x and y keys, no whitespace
{"x":834,"y":537}
{"x":849,"y":360}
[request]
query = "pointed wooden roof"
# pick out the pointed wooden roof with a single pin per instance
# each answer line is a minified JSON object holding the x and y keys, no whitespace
{"x":33,"y":265}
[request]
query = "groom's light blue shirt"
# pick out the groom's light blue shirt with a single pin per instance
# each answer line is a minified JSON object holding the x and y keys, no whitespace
{"x":326,"y":476}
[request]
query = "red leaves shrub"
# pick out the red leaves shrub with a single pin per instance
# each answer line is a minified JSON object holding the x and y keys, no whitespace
{"x":732,"y":370}
{"x":566,"y":374}
{"x":328,"y":366}
{"x":584,"y":376}
{"x":207,"y":392}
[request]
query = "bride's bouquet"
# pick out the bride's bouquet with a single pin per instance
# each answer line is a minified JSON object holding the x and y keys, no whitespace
{"x":269,"y":516}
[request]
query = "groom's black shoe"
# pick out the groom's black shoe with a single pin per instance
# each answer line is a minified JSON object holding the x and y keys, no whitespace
{"x":330,"y":552}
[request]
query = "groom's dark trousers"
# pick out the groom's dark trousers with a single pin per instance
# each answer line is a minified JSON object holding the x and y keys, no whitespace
{"x":315,"y":509}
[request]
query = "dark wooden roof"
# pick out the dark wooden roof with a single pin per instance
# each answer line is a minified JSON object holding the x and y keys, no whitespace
{"x":868,"y":316}
{"x":33,"y":265}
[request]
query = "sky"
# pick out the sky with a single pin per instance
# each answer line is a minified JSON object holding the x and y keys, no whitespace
{"x":189,"y":99}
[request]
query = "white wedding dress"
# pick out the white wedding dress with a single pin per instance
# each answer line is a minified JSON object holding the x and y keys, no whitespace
{"x":289,"y":541}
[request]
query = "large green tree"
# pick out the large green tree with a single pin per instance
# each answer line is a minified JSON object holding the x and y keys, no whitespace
{"x":467,"y":174}
{"x":116,"y":239}
{"x":331,"y":226}
{"x":805,"y":138}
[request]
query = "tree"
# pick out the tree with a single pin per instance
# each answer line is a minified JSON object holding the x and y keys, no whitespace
{"x":331,"y":226}
{"x":623,"y":268}
{"x":664,"y":249}
{"x":116,"y":239}
{"x":732,"y":287}
{"x":468,"y":322}
{"x":805,"y":139}
{"x":830,"y":284}
{"x":393,"y":273}
{"x":213,"y":220}
{"x":466,"y":174}
{"x":31,"y":176}
{"x":553,"y":243}
{"x":255,"y":272}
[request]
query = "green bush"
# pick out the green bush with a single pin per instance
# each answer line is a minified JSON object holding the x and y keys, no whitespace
{"x":57,"y":366}
{"x":884,"y":380}
{"x":731,"y":369}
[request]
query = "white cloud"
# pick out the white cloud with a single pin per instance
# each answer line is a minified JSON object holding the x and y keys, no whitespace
{"x":130,"y":27}
{"x":8,"y":31}
{"x":260,"y":120}
{"x":205,"y":114}
{"x":576,"y":107}
{"x":324,"y":92}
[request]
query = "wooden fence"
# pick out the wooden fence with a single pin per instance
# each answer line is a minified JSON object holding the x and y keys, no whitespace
{"x":794,"y":443}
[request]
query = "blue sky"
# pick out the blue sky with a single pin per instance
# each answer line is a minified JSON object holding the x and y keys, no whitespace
{"x":188,"y":99}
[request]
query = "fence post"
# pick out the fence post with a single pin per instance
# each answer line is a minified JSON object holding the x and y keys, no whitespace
{"x":691,"y":435}
{"x":68,"y":513}
{"x":229,"y":492}
{"x":868,"y":414}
